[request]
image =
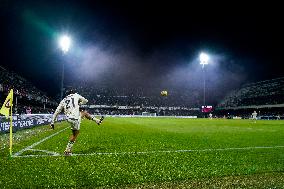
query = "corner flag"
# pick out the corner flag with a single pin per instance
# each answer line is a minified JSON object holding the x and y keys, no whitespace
{"x":7,"y":111}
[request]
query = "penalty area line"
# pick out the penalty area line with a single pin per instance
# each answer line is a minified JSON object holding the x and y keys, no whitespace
{"x":37,"y":143}
{"x":156,"y":152}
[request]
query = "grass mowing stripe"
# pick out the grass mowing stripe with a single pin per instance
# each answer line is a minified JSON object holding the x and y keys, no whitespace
{"x":154,"y":152}
{"x":37,"y":143}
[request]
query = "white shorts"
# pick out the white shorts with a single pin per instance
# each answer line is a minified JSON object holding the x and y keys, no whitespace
{"x":75,"y":123}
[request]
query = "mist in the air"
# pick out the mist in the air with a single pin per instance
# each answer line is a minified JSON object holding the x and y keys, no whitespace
{"x":124,"y":66}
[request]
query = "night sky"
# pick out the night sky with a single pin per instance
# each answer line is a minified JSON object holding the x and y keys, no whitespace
{"x":143,"y":44}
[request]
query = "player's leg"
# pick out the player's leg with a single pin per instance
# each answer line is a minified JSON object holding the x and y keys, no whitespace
{"x":85,"y":114}
{"x":75,"y":127}
{"x":254,"y":119}
{"x":71,"y":142}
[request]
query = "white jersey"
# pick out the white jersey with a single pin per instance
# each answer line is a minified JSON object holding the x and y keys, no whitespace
{"x":254,"y":114}
{"x":70,"y":105}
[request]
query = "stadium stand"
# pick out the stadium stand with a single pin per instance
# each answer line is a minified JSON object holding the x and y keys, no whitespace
{"x":136,"y":96}
{"x":26,"y":95}
{"x":134,"y":101}
{"x":265,"y":96}
{"x":103,"y":100}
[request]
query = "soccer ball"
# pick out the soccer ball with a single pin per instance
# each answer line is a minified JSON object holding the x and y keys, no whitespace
{"x":164,"y":93}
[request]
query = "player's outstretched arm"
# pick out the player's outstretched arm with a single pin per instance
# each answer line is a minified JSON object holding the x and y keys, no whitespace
{"x":56,"y":113}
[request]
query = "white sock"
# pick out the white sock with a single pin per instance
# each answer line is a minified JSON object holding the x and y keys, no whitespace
{"x":69,"y":145}
{"x":95,"y":119}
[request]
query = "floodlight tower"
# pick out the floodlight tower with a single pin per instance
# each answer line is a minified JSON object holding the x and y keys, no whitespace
{"x":204,"y":59}
{"x":64,"y":44}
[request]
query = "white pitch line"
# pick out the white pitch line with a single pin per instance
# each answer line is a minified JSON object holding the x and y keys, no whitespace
{"x":166,"y":151}
{"x":45,"y":151}
{"x":37,"y":143}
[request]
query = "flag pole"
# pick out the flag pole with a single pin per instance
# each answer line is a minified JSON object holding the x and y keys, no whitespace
{"x":11,"y":129}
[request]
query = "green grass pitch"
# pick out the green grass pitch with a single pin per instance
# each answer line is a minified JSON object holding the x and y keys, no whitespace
{"x":148,"y":152}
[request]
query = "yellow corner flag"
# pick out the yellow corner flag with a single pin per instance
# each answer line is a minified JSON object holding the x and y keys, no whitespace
{"x":7,"y":111}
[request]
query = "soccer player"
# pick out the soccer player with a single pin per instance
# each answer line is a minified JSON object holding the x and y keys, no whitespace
{"x":254,"y":114}
{"x":70,"y":105}
{"x":210,"y":115}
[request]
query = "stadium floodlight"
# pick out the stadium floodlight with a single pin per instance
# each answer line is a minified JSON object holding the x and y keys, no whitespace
{"x":204,"y":58}
{"x":65,"y":43}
